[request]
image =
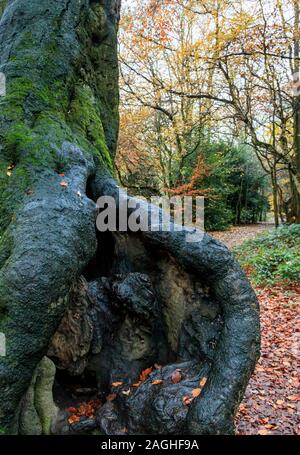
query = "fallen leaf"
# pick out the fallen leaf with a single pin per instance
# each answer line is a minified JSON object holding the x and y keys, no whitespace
{"x":117,"y":384}
{"x":62,"y":174}
{"x":64,"y":184}
{"x":203,"y":382}
{"x":157,"y":381}
{"x":111,"y":397}
{"x":144,"y":374}
{"x":263,"y":432}
{"x":264,"y":421}
{"x":126,"y":392}
{"x":124,"y":430}
{"x":176,"y":377}
{"x":294,"y":398}
{"x":187,"y":400}
{"x":196,"y":392}
{"x":137,"y":384}
{"x":73,"y":419}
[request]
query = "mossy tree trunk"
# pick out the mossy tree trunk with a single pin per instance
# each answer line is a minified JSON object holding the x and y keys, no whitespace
{"x":59,"y":116}
{"x":58,"y":133}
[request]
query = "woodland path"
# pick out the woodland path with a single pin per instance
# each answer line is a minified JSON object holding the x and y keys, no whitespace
{"x":272,"y":401}
{"x":238,"y":234}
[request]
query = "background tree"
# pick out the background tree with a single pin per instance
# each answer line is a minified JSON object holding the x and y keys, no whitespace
{"x":221,"y":70}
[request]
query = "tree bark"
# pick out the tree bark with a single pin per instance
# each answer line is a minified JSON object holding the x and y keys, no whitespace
{"x":295,"y":191}
{"x":59,"y":117}
{"x":275,"y":196}
{"x":58,"y":133}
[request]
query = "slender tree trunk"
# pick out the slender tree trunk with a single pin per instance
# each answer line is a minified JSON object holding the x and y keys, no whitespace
{"x":275,"y":196}
{"x":296,"y":194}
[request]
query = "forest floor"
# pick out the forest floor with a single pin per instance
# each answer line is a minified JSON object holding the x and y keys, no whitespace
{"x":239,"y":234}
{"x":272,"y":401}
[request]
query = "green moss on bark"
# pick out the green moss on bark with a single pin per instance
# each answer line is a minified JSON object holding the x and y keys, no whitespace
{"x":59,"y":115}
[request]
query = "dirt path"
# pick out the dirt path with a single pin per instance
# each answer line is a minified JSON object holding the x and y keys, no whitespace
{"x":272,"y":401}
{"x":237,"y":235}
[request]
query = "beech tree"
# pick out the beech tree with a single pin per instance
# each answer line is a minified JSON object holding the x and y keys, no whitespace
{"x":64,"y":299}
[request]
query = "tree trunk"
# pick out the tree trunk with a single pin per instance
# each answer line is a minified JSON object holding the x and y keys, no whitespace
{"x":295,"y":191}
{"x":58,"y":133}
{"x":275,"y":196}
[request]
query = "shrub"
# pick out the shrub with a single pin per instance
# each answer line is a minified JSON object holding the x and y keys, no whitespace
{"x":273,"y":256}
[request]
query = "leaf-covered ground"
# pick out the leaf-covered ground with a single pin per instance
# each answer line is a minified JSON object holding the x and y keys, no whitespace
{"x":272,"y":401}
{"x":235,"y":236}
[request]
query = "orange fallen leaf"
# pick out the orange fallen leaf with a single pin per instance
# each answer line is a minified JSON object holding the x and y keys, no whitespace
{"x":176,"y":377}
{"x":263,"y":432}
{"x":291,"y":406}
{"x":264,"y":421}
{"x":62,"y":174}
{"x":144,"y":374}
{"x":196,"y":392}
{"x":187,"y":400}
{"x":137,"y":384}
{"x":203,"y":382}
{"x":157,"y":381}
{"x":242,"y":408}
{"x":294,"y":398}
{"x":279,"y":402}
{"x":111,"y":397}
{"x":73,"y":419}
{"x":117,"y":384}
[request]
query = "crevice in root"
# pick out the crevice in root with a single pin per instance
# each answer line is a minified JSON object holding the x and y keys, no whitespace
{"x":135,"y":320}
{"x":102,"y":263}
{"x":71,"y":391}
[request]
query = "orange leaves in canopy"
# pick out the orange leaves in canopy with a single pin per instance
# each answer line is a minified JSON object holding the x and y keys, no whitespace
{"x":193,"y":187}
{"x":150,"y":25}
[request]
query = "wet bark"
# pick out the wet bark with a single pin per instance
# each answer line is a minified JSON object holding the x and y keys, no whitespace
{"x":58,"y":133}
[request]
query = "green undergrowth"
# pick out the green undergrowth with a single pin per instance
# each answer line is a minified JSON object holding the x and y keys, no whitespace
{"x":273,"y":256}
